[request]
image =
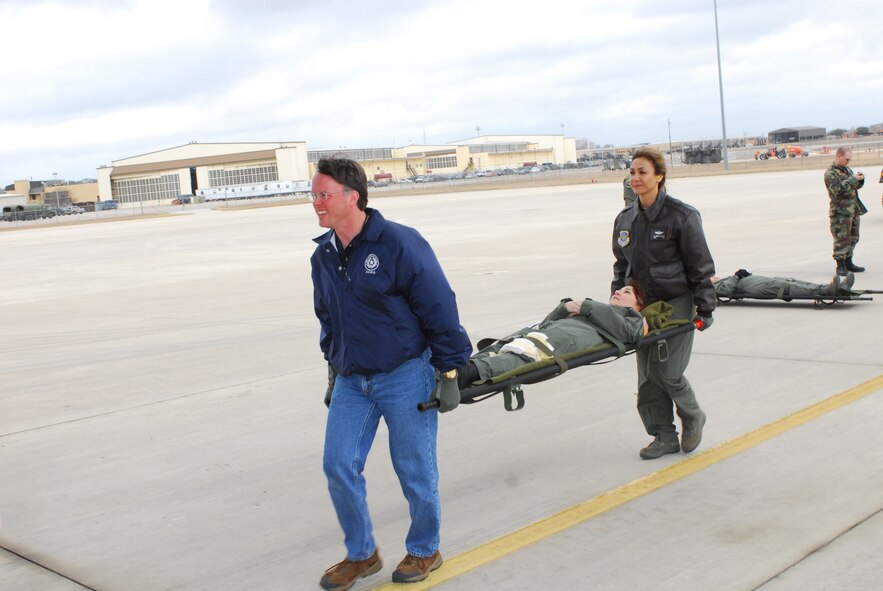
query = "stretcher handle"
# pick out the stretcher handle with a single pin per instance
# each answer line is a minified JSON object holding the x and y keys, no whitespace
{"x":424,"y":406}
{"x":696,"y":324}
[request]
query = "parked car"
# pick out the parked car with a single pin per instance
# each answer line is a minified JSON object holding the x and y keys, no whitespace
{"x":69,"y":210}
{"x":182,"y":199}
{"x":109,"y":204}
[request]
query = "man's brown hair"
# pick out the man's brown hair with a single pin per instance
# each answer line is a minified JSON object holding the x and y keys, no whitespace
{"x":348,"y":173}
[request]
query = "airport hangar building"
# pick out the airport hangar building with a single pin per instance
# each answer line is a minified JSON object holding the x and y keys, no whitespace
{"x":184,"y":170}
{"x":796,"y":134}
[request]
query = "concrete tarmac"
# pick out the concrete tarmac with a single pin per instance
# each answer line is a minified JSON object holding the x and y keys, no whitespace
{"x":161,"y":417}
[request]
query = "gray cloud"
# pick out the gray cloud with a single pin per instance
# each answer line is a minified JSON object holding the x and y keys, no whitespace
{"x":142,"y":77}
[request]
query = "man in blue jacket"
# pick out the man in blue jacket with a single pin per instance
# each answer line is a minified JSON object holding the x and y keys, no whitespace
{"x":391,"y":334}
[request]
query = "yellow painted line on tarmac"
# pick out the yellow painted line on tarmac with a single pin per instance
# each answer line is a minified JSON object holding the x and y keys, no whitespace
{"x":512,"y":542}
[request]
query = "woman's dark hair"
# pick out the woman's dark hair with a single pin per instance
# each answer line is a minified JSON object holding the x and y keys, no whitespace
{"x":640,"y":294}
{"x":348,"y":173}
{"x":658,"y":160}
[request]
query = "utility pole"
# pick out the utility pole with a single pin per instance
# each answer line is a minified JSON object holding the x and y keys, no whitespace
{"x":720,"y":81}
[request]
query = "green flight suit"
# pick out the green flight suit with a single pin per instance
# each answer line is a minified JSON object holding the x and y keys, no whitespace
{"x":661,"y":379}
{"x":566,"y":334}
{"x":758,"y":287}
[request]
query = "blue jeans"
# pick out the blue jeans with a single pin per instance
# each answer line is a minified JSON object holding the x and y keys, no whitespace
{"x":357,"y":403}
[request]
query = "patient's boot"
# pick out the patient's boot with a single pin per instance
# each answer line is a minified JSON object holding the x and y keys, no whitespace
{"x":466,"y":375}
{"x":846,"y":283}
{"x":833,"y":288}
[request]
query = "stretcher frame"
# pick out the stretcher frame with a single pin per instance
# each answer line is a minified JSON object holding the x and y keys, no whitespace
{"x":511,"y":387}
{"x":855,"y":296}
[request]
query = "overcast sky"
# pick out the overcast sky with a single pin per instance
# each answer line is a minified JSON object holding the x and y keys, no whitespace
{"x":87,"y":82}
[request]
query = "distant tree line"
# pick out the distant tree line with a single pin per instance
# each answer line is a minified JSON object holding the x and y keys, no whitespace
{"x":861,"y":130}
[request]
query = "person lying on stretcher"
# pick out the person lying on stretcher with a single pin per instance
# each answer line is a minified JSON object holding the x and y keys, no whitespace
{"x":570,"y":327}
{"x":743,"y":284}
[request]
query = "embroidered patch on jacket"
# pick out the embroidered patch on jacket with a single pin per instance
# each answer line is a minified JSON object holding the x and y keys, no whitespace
{"x":623,"y":238}
{"x":657,"y":234}
{"x":371,"y":264}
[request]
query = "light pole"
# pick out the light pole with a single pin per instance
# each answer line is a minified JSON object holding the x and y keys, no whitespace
{"x":720,"y":81}
{"x":670,"y":154}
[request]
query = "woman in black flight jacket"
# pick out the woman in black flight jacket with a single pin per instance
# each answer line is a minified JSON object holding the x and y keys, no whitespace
{"x":658,"y":242}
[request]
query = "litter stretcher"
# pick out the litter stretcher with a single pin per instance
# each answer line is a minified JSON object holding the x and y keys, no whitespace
{"x":855,"y":295}
{"x":743,"y":285}
{"x":510,"y":383}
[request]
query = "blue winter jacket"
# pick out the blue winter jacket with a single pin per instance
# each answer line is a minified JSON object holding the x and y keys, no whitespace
{"x":391,"y":302}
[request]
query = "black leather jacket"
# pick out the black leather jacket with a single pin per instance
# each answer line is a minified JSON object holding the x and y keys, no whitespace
{"x":664,"y":250}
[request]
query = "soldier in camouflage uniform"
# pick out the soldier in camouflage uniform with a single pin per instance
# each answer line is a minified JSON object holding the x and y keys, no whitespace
{"x":629,"y":196}
{"x":845,"y":209}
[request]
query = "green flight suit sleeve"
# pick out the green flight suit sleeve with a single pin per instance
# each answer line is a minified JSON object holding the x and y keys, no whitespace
{"x":624,"y":324}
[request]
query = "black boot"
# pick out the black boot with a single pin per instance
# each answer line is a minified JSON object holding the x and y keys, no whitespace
{"x":692,"y":435}
{"x":466,"y":375}
{"x":850,"y":266}
{"x":841,"y":267}
{"x":660,"y":446}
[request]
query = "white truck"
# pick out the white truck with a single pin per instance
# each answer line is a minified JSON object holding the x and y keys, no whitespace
{"x":12,"y":200}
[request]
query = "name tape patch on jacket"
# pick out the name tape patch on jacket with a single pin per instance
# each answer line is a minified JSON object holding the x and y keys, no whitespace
{"x":371,"y":264}
{"x":623,"y":238}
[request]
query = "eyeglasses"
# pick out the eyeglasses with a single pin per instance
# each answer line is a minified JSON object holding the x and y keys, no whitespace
{"x":324,"y":195}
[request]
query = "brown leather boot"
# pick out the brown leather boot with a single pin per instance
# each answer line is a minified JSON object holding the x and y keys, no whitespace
{"x":344,"y":574}
{"x":416,"y":568}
